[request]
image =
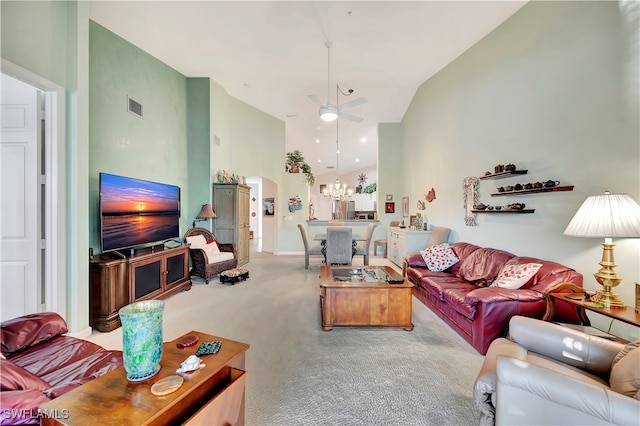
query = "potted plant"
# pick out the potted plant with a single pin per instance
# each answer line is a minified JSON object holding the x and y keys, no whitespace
{"x":295,"y":164}
{"x":294,"y":161}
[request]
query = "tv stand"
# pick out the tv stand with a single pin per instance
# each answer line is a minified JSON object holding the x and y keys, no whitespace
{"x":117,"y":281}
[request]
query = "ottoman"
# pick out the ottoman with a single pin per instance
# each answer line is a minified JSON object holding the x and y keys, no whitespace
{"x":234,"y":275}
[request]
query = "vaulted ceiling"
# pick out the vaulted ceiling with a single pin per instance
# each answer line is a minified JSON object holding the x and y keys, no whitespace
{"x":272,"y":54}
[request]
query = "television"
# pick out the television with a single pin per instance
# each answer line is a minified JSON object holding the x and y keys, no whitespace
{"x":136,"y":212}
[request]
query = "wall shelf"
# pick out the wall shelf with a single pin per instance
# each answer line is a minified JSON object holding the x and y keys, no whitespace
{"x":534,"y":191}
{"x":503,"y":175}
{"x":519,"y":211}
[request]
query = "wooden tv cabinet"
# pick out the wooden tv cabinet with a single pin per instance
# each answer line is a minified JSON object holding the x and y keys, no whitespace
{"x":213,"y":395}
{"x":115,"y":281}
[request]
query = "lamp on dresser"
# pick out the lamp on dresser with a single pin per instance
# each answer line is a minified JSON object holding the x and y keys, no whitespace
{"x":606,"y":216}
{"x":206,"y":212}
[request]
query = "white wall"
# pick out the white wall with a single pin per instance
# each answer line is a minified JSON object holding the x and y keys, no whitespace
{"x":553,"y":90}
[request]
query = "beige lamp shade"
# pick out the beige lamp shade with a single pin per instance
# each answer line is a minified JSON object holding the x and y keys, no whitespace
{"x":206,"y":212}
{"x":606,"y":216}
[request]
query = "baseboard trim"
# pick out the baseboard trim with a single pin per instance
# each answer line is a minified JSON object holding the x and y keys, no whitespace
{"x":82,"y":334}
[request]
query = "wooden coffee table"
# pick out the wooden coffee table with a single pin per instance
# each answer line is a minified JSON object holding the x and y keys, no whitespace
{"x":363,"y":303}
{"x":212,"y":395}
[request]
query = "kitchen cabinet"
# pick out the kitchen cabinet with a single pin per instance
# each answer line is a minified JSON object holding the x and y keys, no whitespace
{"x":402,"y":242}
{"x":364,"y":202}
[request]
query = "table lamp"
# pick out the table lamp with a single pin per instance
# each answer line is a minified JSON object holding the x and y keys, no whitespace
{"x":606,"y":216}
{"x":206,"y":212}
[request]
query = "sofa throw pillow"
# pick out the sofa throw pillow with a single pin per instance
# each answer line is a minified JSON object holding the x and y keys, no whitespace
{"x":13,"y":378}
{"x":197,"y":241}
{"x":439,"y":257}
{"x":211,"y":250}
{"x":515,"y":276}
{"x":625,"y":373}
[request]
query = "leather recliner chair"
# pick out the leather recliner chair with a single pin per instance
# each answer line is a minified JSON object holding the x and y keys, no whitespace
{"x":546,"y":373}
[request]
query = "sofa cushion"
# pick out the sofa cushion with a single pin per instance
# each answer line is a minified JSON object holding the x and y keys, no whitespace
{"x":29,"y":330}
{"x":514,"y":276}
{"x":438,"y":284}
{"x":625,"y":371}
{"x":483,"y":265}
{"x":211,"y":250}
{"x":462,"y":251}
{"x":548,"y":269}
{"x":13,"y":377}
{"x":439,"y":257}
{"x":197,"y":241}
{"x":219,"y":257}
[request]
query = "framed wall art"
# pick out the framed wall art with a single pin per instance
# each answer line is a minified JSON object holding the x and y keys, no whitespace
{"x":268,"y":205}
{"x":390,"y":207}
{"x":405,"y":206}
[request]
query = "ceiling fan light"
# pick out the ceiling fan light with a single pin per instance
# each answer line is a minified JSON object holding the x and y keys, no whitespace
{"x":328,"y":113}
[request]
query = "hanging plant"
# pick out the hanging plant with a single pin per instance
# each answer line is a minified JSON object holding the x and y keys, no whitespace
{"x":295,"y":163}
{"x":370,"y":189}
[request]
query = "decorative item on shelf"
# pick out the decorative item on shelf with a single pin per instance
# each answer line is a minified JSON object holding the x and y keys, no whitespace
{"x":370,"y":189}
{"x":206,"y":212}
{"x":418,"y":222}
{"x":606,"y":216}
{"x":551,"y":183}
{"x":510,"y":167}
{"x":142,"y":338}
{"x":192,"y":363}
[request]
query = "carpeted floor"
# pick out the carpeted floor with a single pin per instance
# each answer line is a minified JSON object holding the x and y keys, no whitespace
{"x":300,"y":375}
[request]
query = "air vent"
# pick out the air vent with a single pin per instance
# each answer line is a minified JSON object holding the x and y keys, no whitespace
{"x":329,"y":167}
{"x":134,"y":107}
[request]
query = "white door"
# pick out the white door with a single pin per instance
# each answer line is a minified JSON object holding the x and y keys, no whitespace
{"x":20,"y":218}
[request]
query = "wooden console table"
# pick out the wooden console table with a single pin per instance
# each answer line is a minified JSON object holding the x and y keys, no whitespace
{"x":213,"y":395}
{"x":577,"y":298}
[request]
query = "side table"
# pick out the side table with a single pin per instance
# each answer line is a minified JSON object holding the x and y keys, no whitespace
{"x":577,"y":298}
{"x":212,"y":395}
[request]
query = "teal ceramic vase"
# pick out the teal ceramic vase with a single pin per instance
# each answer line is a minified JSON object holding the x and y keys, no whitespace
{"x":142,"y":338}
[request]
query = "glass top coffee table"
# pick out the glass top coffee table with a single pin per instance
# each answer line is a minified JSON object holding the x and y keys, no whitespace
{"x":364,"y":297}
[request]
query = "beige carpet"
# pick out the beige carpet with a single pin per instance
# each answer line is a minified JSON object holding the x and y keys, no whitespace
{"x":300,"y":375}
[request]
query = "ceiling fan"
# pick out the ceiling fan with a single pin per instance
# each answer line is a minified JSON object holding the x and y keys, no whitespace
{"x":329,"y":111}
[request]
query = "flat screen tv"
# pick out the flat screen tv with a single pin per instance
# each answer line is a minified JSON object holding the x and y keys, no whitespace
{"x":136,"y":212}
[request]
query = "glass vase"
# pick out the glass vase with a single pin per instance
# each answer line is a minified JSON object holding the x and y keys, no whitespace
{"x":142,"y":338}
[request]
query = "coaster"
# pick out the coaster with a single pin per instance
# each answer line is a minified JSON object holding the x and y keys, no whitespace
{"x":167,"y":385}
{"x":187,"y":341}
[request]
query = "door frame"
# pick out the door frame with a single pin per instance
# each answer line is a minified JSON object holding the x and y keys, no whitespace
{"x":54,"y":202}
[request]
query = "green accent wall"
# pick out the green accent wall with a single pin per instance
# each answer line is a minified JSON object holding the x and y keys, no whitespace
{"x":153,"y":148}
{"x":198,"y":150}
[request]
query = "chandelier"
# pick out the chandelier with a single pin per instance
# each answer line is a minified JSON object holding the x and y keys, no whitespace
{"x":337,"y":191}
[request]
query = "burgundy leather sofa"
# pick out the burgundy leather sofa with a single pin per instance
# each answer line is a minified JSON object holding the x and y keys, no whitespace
{"x":41,"y":364}
{"x":463,"y":298}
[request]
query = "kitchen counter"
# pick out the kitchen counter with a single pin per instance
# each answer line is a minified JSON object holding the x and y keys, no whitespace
{"x":349,"y":222}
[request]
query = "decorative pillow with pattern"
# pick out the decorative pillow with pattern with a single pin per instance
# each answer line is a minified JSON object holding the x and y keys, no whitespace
{"x":439,"y":257}
{"x":515,"y":276}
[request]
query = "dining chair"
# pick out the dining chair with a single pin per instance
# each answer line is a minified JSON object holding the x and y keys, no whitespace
{"x":383,"y":243}
{"x":439,"y":235}
{"x":308,"y":250}
{"x":339,"y":248}
{"x":363,"y":249}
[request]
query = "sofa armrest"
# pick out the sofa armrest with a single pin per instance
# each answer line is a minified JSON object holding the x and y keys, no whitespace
{"x":29,"y":330}
{"x":21,"y":407}
{"x":415,"y":260}
{"x":484,"y":388}
{"x":564,"y":344}
{"x":231,"y":248}
{"x":530,"y":394}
